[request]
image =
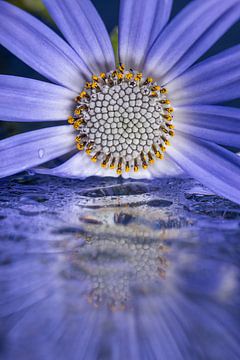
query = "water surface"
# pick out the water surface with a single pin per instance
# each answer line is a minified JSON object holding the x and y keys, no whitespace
{"x":112,"y":269}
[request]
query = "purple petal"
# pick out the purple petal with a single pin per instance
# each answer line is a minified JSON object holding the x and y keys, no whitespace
{"x":212,"y":165}
{"x":23,"y":99}
{"x":21,"y":152}
{"x":166,"y":168}
{"x":80,"y":166}
{"x":189,"y":36}
{"x":140,"y":23}
{"x":83,"y":28}
{"x":215,"y":80}
{"x":214,"y":123}
{"x":39,"y":47}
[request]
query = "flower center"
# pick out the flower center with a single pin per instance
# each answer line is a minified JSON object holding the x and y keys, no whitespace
{"x":124,"y":121}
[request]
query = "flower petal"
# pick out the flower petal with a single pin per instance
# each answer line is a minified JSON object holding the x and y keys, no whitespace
{"x":189,"y":36}
{"x":214,"y":123}
{"x":166,"y":168}
{"x":83,"y":28}
{"x":140,"y":22}
{"x":23,"y":99}
{"x":39,"y":47}
{"x":212,"y":165}
{"x":33,"y":148}
{"x":214,"y":80}
{"x":80,"y":166}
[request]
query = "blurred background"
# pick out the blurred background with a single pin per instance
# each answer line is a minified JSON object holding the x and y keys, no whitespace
{"x":109,"y":12}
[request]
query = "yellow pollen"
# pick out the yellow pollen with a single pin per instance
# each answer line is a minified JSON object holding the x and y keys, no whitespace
{"x":94,"y":85}
{"x":77,"y":112}
{"x":103,"y":76}
{"x":163,"y":91}
{"x":95,"y":78}
{"x":154,"y":94}
{"x":167,"y":102}
{"x":129,"y":76}
{"x":114,"y":74}
{"x":121,"y":67}
{"x":71,"y":120}
{"x":168,"y":117}
{"x":136,"y":167}
{"x":83,"y":120}
{"x":119,"y":168}
{"x":83,"y":94}
{"x":138,"y":77}
{"x":88,"y":85}
{"x":156,"y":88}
{"x":150,"y":158}
{"x":78,"y":139}
{"x":95,"y":157}
{"x":89,"y":149}
{"x":127,"y":167}
{"x":112,"y":165}
{"x":80,"y":147}
{"x":77,"y":124}
{"x":105,"y":162}
{"x":120,"y":76}
{"x":144,"y":164}
{"x":149,"y":80}
{"x":159,"y":155}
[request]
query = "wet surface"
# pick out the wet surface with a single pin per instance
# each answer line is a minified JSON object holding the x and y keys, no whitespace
{"x":111,"y":269}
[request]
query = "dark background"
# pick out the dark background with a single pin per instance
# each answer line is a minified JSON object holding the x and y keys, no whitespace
{"x":109,"y":12}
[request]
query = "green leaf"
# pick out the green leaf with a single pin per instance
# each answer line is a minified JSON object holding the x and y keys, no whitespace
{"x":35,"y":7}
{"x":114,"y":40}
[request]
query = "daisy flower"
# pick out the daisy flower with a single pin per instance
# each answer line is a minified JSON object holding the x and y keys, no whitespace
{"x":153,"y":114}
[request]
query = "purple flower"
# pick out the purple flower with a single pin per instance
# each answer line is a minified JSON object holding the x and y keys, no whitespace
{"x":153,"y":115}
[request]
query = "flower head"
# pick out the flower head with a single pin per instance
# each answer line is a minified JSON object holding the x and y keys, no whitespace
{"x":152,"y":115}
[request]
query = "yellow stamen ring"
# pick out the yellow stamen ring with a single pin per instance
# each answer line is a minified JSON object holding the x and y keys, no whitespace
{"x":124,"y":120}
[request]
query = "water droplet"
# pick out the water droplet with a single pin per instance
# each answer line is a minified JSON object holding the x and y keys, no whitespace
{"x":32,"y":209}
{"x":31,"y":172}
{"x":41,"y":153}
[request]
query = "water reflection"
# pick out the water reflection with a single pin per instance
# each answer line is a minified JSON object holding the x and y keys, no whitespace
{"x":117,"y":271}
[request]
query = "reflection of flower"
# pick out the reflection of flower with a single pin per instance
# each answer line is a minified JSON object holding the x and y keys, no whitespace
{"x":51,"y":261}
{"x":115,"y":266}
{"x":119,"y":259}
{"x":123,"y":114}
